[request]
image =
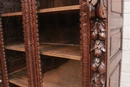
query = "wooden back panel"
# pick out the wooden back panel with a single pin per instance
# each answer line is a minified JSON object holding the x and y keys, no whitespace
{"x":56,"y":3}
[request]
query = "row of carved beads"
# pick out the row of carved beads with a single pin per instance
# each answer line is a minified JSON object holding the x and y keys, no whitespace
{"x":1,"y":80}
{"x":84,"y":46}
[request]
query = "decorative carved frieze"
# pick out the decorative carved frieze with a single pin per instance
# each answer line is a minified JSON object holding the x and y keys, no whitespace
{"x":98,"y":42}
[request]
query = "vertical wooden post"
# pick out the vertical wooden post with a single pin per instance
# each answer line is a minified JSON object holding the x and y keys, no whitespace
{"x":93,"y":42}
{"x":29,"y":9}
{"x":85,"y":43}
{"x":3,"y":68}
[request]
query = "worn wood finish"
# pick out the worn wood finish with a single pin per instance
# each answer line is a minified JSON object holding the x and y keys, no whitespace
{"x":29,"y":10}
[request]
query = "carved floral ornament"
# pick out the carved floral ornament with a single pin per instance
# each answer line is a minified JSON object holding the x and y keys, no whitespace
{"x":98,"y":39}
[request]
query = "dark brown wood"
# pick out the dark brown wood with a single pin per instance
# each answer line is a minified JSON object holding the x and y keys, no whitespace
{"x":10,"y":6}
{"x":58,"y":23}
{"x":85,"y":43}
{"x":29,"y":10}
{"x":3,"y":68}
{"x":98,"y":43}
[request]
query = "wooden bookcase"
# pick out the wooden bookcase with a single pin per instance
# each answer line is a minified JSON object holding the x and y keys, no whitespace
{"x":59,"y":43}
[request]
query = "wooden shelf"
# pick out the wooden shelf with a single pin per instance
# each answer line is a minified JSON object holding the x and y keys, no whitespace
{"x":11,"y":14}
{"x":55,"y":9}
{"x":19,"y":78}
{"x":67,"y":75}
{"x":56,"y":50}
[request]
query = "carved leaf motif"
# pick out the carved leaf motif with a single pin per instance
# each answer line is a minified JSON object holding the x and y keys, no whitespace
{"x":101,"y":9}
{"x":102,"y":36}
{"x":94,"y":67}
{"x":98,"y":53}
{"x":102,"y":79}
{"x":101,"y":27}
{"x":97,"y":80}
{"x":93,"y":2}
{"x":94,"y":31}
{"x":94,"y":34}
{"x":96,"y":85}
{"x":98,"y":45}
{"x":102,"y":68}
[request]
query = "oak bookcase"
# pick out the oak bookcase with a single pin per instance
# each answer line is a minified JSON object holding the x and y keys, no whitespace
{"x":60,"y":43}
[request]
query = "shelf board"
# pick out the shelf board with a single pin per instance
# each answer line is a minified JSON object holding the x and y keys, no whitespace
{"x":46,"y":10}
{"x":11,"y":14}
{"x":61,"y":51}
{"x":19,"y":78}
{"x":68,"y":75}
{"x":56,"y":9}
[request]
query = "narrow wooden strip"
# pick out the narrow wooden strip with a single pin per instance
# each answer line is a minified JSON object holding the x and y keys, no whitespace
{"x":56,"y":9}
{"x":85,"y":43}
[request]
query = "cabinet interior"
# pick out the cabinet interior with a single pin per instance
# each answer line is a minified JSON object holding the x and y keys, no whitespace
{"x":59,"y":38}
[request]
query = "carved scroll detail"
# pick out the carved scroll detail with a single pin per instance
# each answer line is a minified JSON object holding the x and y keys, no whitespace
{"x":98,"y":42}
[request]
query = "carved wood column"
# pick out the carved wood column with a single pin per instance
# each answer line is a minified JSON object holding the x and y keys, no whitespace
{"x":85,"y":42}
{"x":98,"y":42}
{"x":29,"y":10}
{"x":3,"y":69}
{"x":93,"y":42}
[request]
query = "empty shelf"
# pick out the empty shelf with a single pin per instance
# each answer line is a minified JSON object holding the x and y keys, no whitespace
{"x":62,"y":51}
{"x":55,"y":9}
{"x":67,"y":75}
{"x":19,"y":78}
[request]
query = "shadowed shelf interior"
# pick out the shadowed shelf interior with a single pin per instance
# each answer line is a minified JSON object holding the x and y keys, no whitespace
{"x":59,"y":39}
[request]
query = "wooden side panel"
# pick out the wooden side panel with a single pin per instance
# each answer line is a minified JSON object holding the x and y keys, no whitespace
{"x":115,"y":23}
{"x":115,"y":41}
{"x":116,"y":6}
{"x":114,"y":77}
